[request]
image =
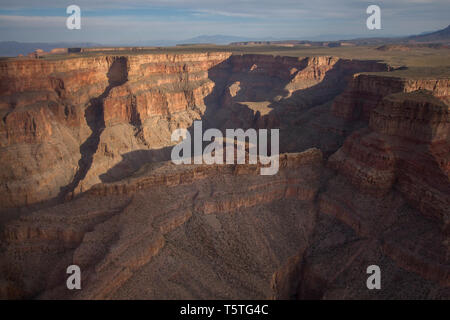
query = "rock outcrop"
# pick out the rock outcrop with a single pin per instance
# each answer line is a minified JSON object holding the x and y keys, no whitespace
{"x":220,"y":224}
{"x":405,"y":146}
{"x":68,"y":122}
{"x":390,"y":190}
{"x":367,"y":90}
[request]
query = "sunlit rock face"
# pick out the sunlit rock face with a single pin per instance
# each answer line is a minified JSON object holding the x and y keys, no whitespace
{"x":87,"y":179}
{"x":68,"y":123}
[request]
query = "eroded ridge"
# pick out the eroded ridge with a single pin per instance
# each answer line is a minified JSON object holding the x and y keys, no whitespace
{"x":219,"y":224}
{"x":373,"y":189}
{"x":69,"y":124}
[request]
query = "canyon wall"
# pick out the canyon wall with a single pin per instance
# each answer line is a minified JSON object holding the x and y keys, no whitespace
{"x":364,"y":179}
{"x":226,"y":226}
{"x":65,"y":122}
{"x":405,"y":144}
{"x":71,"y":123}
{"x":367,"y":90}
{"x":386,"y":201}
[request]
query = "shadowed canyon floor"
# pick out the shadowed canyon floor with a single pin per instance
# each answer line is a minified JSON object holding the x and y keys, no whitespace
{"x":85,"y":145}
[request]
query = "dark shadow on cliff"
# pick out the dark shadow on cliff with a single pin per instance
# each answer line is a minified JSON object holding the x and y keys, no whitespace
{"x":430,"y":152}
{"x":304,"y":115}
{"x":117,"y":75}
{"x":258,"y":84}
{"x":215,"y":104}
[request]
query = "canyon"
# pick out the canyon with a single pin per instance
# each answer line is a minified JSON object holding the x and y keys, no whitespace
{"x":85,"y":145}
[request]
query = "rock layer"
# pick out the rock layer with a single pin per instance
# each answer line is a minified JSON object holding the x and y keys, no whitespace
{"x":69,"y":124}
{"x":223,"y":224}
{"x":87,"y":136}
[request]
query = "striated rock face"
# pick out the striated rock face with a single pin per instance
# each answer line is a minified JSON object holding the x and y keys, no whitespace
{"x":366,"y":91}
{"x":405,"y":146}
{"x":226,"y":226}
{"x":363,"y":179}
{"x":65,"y":122}
{"x":69,"y":124}
{"x":391,"y":187}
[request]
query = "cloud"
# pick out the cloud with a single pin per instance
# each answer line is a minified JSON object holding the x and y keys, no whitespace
{"x":30,"y":21}
{"x":227,"y":13}
{"x":248,"y":18}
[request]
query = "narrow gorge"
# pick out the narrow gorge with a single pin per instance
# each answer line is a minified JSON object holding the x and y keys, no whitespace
{"x":85,"y":146}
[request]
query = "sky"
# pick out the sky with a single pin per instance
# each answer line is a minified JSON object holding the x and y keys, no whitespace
{"x":139,"y":21}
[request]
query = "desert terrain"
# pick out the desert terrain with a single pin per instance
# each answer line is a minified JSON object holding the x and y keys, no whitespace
{"x":364,"y":173}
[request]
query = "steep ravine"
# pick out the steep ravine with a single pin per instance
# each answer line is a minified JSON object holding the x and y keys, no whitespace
{"x":94,"y":115}
{"x":72,"y":123}
{"x":364,"y":179}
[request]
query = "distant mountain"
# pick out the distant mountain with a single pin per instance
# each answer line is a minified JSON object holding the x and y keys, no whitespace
{"x":341,"y":37}
{"x":216,"y":39}
{"x":440,"y":36}
{"x":437,"y":36}
{"x":14,"y":48}
{"x":202,"y":39}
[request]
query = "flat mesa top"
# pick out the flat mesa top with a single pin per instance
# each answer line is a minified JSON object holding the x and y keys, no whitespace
{"x":413,"y":62}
